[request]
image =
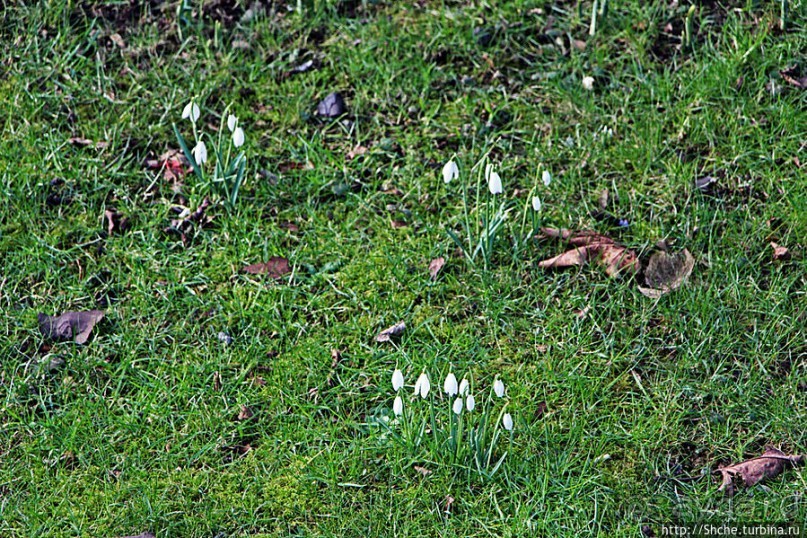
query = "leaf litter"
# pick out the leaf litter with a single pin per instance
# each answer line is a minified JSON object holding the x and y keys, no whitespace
{"x":771,"y":463}
{"x":387,"y":334}
{"x":666,"y":272}
{"x":436,"y":266}
{"x":591,"y":246}
{"x":275,"y":267}
{"x":70,"y":325}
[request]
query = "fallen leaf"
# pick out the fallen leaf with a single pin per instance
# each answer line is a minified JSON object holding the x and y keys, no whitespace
{"x":422,"y":470}
{"x":117,"y":40}
{"x":780,"y":253}
{"x":603,"y":200}
{"x":387,"y":334}
{"x":355,"y":152}
{"x":290,"y":226}
{"x":704,"y":184}
{"x":666,"y":272}
{"x":143,"y":535}
{"x":591,"y":246}
{"x":275,"y":267}
{"x":216,"y":381}
{"x":397,"y":224}
{"x":792,"y":76}
{"x":246,"y":413}
{"x":115,"y":221}
{"x":332,"y":106}
{"x":435,"y":266}
{"x":75,"y":325}
{"x":770,"y":464}
{"x":85,"y":142}
{"x":336,"y":358}
{"x":540,"y":410}
{"x":449,"y":503}
{"x":185,"y":225}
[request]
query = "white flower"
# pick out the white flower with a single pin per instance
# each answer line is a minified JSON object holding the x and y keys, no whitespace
{"x":588,"y":83}
{"x":191,"y":111}
{"x":397,"y":380}
{"x":488,"y":171}
{"x":238,"y":137}
{"x":546,"y":177}
{"x":495,"y":183}
{"x":422,"y":385}
{"x":463,"y":386}
{"x":457,"y":407}
{"x":507,"y":420}
{"x":232,"y":121}
{"x":536,"y":203}
{"x":498,"y":387}
{"x":397,"y":406}
{"x":450,"y":171}
{"x":470,"y":403}
{"x":200,"y":153}
{"x":450,"y":385}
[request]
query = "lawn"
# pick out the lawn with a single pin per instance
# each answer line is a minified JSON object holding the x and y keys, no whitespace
{"x":214,"y":401}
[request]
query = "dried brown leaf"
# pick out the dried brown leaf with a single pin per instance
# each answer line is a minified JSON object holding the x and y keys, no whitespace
{"x":436,"y":266}
{"x":275,"y":267}
{"x":115,"y":221}
{"x":75,"y":325}
{"x":569,"y":258}
{"x":355,"y":152}
{"x":396,"y":224}
{"x":449,"y":500}
{"x":666,"y":272}
{"x":780,"y":253}
{"x":793,"y":77}
{"x":143,"y":535}
{"x":245,"y":413}
{"x":591,"y":245}
{"x":387,"y":334}
{"x":770,"y":464}
{"x":117,"y":40}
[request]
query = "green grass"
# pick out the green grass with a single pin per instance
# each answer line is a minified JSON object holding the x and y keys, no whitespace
{"x":642,"y":398}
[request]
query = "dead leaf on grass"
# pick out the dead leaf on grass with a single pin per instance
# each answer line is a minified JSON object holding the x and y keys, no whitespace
{"x":143,"y":535}
{"x":591,"y":245}
{"x":422,"y":470}
{"x":85,"y":142}
{"x":436,"y":266}
{"x":770,"y":464}
{"x":387,"y":334}
{"x":666,"y":272}
{"x":115,"y":221}
{"x":275,"y":267}
{"x":780,"y":253}
{"x":185,"y":225}
{"x":117,"y":40}
{"x":245,"y":413}
{"x":332,"y":106}
{"x":449,"y":503}
{"x":355,"y":152}
{"x":397,"y":224}
{"x":793,"y":77}
{"x":75,"y":325}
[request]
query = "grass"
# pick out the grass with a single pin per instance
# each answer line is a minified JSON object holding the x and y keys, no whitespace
{"x":619,"y":414}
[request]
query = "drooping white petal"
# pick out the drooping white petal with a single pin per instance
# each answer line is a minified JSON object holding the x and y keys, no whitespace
{"x":397,"y":380}
{"x":238,"y":137}
{"x":200,"y":153}
{"x":463,"y":386}
{"x":397,"y":406}
{"x":495,"y":183}
{"x":470,"y":402}
{"x":232,"y":121}
{"x":450,"y":171}
{"x":457,"y":407}
{"x":536,"y":203}
{"x":507,"y":421}
{"x":422,"y":385}
{"x":450,"y":385}
{"x":186,"y":112}
{"x":546,"y":177}
{"x":488,"y":171}
{"x":498,"y":387}
{"x":588,"y":83}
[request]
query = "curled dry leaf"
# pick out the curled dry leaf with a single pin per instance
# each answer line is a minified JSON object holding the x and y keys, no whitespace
{"x":792,"y":76}
{"x":115,"y":221}
{"x":591,"y":246}
{"x":780,"y":253}
{"x":422,"y":470}
{"x":143,"y":535}
{"x":436,"y":266}
{"x":666,"y":272}
{"x":355,"y":152}
{"x":770,"y":464}
{"x":275,"y":267}
{"x":75,"y":325}
{"x":245,"y":413}
{"x":387,"y":334}
{"x":449,"y":503}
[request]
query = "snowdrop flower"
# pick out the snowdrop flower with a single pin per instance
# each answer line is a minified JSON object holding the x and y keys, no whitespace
{"x":463,"y":386}
{"x":232,"y":122}
{"x":470,"y":403}
{"x":397,"y":380}
{"x":457,"y":407}
{"x":507,"y":421}
{"x":397,"y":406}
{"x":498,"y":387}
{"x":422,"y":385}
{"x":450,"y":386}
{"x":546,"y":177}
{"x":536,"y":203}
{"x":238,"y":137}
{"x":588,"y":83}
{"x":191,"y":111}
{"x":450,"y":171}
{"x":200,"y":152}
{"x":495,"y":183}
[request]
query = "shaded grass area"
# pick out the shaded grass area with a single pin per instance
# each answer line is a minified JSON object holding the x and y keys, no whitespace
{"x":620,"y":414}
